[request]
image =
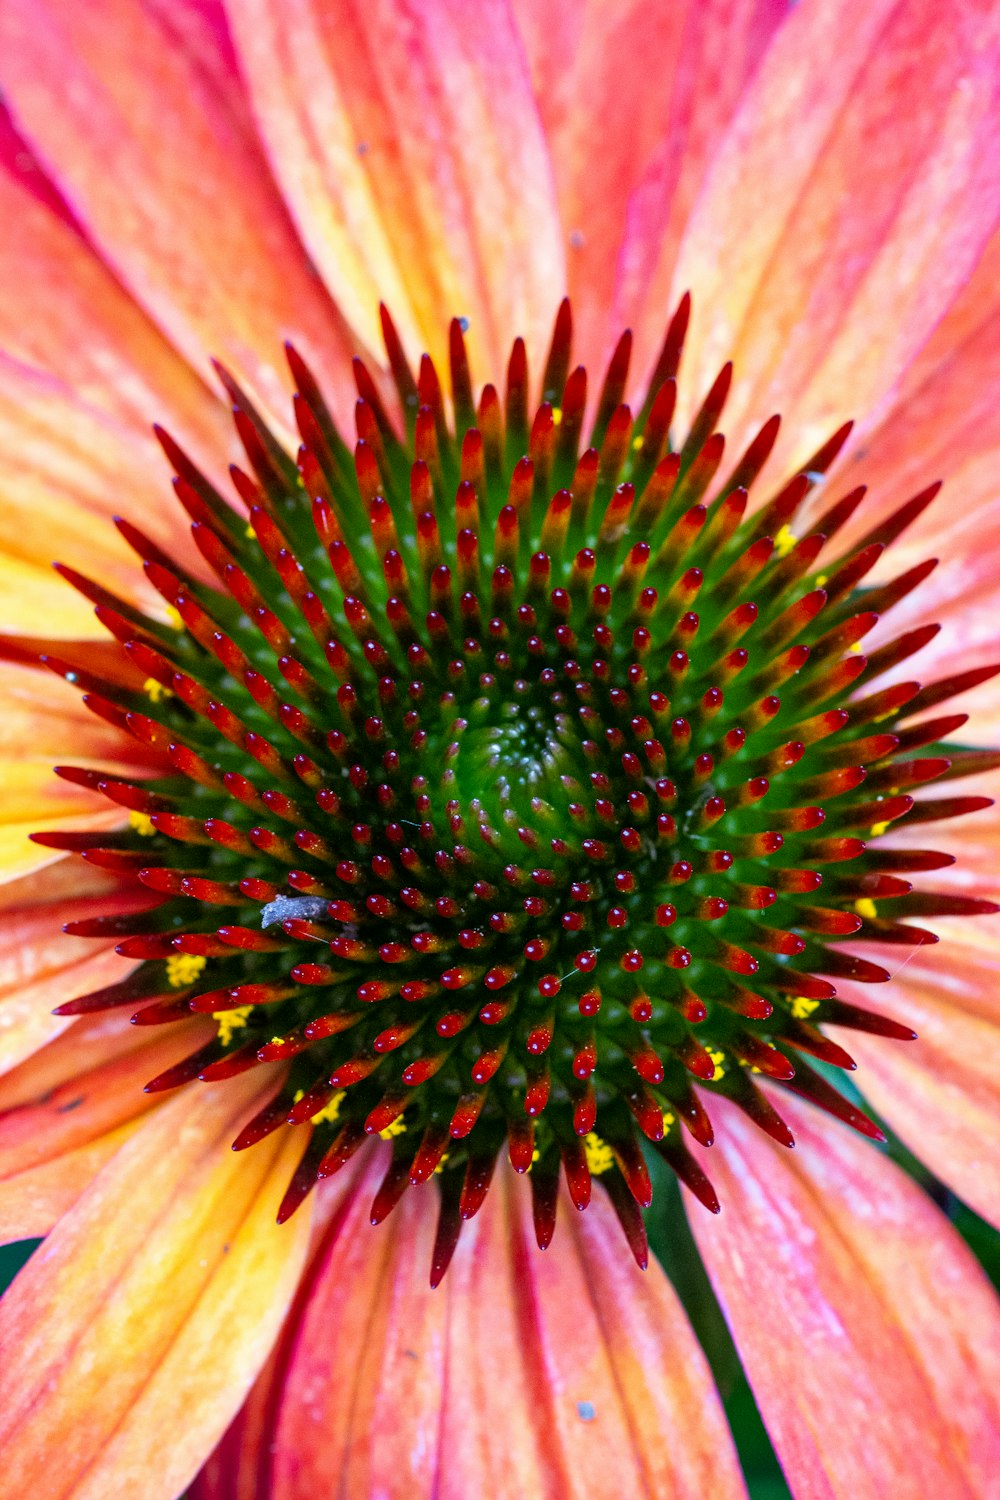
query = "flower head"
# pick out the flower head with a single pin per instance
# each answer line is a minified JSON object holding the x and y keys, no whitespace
{"x":522,"y":774}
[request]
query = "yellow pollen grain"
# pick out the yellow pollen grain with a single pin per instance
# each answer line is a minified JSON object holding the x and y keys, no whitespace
{"x":174,"y":618}
{"x":329,"y":1112}
{"x":719,"y":1058}
{"x":183,"y":968}
{"x":802,"y":1007}
{"x":440,"y":1165}
{"x":230,"y":1021}
{"x":637,"y":443}
{"x":398,"y":1127}
{"x":856,"y":648}
{"x":600,"y":1157}
{"x":278,"y":1041}
{"x":785,"y":541}
{"x":865,"y":907}
{"x":155,"y":691}
{"x":142,"y":823}
{"x":668,"y":1118}
{"x":822,"y":580}
{"x":535,"y":1155}
{"x":249,"y":532}
{"x":556,"y":416}
{"x":878,"y":829}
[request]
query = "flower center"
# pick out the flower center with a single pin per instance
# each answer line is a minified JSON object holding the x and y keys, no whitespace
{"x":510,"y":787}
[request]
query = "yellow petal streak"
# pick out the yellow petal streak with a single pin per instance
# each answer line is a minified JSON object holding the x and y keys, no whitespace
{"x":133,"y":1335}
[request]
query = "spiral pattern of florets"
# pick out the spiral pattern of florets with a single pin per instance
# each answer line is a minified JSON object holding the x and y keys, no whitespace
{"x":509,"y":791}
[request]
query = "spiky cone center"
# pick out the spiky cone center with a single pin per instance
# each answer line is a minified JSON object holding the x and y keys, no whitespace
{"x":515,"y":794}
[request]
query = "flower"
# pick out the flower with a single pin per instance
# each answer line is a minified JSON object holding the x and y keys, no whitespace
{"x":575,"y":677}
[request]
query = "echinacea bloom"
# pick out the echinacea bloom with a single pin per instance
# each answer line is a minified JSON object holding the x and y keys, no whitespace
{"x":512,"y":767}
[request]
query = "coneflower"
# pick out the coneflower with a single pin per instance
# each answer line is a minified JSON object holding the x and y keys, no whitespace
{"x":515,"y":783}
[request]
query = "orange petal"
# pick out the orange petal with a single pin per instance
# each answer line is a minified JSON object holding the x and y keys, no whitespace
{"x":19,"y":857}
{"x":868,"y":1331}
{"x":129,"y":1365}
{"x":64,"y":469}
{"x":33,"y":1201}
{"x":138,"y":111}
{"x":408,"y":145}
{"x":62,"y":312}
{"x":46,"y":722}
{"x":633,"y":158}
{"x":45,"y":715}
{"x":87,"y":1081}
{"x":68,"y":880}
{"x":65,"y":1111}
{"x":34,"y":907}
{"x":818,"y":262}
{"x":33,"y":800}
{"x":36,"y":977}
{"x":241,"y":1463}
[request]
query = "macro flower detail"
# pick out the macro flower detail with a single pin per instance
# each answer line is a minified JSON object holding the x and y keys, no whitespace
{"x":547,"y":737}
{"x":531,"y":777}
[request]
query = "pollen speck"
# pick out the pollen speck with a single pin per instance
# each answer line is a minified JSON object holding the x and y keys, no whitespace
{"x":231,"y":1021}
{"x":600,"y":1157}
{"x":183,"y":969}
{"x":329,"y":1112}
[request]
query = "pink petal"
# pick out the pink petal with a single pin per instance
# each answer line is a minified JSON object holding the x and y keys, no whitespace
{"x":829,"y":240}
{"x":486,"y":1385}
{"x":63,"y":313}
{"x":138,"y":112}
{"x":646,"y":1332}
{"x":407,"y":143}
{"x":361,"y":1398}
{"x":941,"y":1093}
{"x":867,"y":1329}
{"x":629,"y":1407}
{"x":944,"y":420}
{"x":633,"y":159}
